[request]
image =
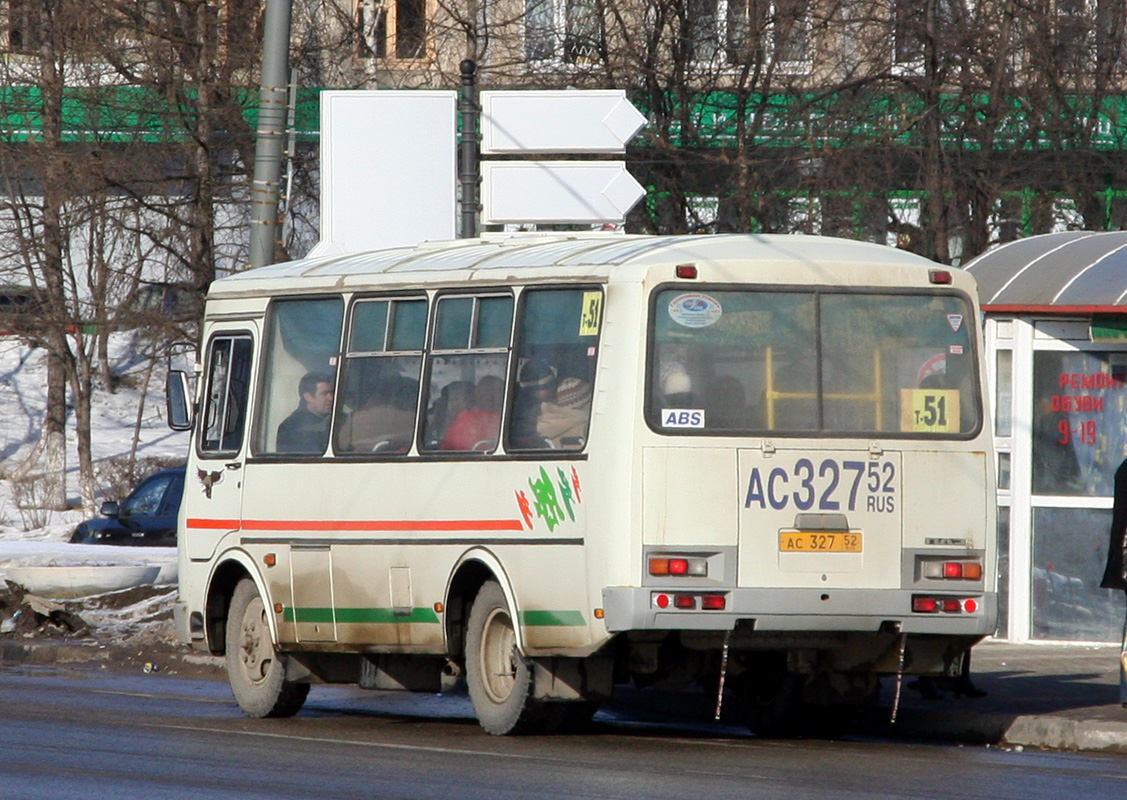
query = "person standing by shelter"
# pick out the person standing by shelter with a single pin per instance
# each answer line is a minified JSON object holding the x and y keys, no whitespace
{"x":1115,"y":575}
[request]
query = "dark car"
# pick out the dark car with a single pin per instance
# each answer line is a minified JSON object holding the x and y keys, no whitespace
{"x":146,"y":517}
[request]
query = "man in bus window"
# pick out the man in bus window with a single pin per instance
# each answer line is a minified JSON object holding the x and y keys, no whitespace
{"x":306,"y":430}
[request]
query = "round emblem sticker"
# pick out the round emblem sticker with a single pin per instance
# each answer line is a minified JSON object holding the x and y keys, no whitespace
{"x":695,"y":310}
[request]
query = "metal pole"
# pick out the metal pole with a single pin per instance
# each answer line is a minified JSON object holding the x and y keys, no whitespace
{"x":469,"y":174}
{"x":270,"y":141}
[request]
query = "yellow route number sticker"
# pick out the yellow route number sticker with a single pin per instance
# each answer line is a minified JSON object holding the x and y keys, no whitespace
{"x":591,"y":314}
{"x":929,"y":410}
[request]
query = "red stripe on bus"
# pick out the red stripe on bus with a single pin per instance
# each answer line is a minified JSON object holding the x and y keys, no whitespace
{"x":359,"y":525}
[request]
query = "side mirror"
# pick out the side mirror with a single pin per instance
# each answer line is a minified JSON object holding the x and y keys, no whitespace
{"x":110,"y":509}
{"x":178,"y":399}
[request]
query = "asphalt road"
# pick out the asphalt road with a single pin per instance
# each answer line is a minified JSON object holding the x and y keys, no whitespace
{"x":90,"y":734}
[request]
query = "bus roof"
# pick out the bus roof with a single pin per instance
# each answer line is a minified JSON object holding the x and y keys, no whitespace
{"x":586,"y":254}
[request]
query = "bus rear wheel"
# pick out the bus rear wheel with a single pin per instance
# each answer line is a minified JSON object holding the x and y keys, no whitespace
{"x":254,"y":670}
{"x":499,"y":678}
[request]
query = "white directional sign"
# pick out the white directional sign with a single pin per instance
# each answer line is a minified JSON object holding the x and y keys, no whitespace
{"x":567,"y":121}
{"x":387,"y":169}
{"x":573,"y":192}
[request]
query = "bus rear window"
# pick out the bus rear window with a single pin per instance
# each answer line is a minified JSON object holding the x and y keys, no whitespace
{"x":730,"y":361}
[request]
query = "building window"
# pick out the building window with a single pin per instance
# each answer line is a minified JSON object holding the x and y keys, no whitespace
{"x":915,"y":24}
{"x":1111,"y":33}
{"x":909,"y":27}
{"x":392,"y":29}
{"x":26,"y":25}
{"x":776,"y":31}
{"x":573,"y":31}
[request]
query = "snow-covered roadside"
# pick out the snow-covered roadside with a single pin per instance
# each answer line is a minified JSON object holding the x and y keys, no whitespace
{"x":113,"y":425}
{"x":33,"y":537}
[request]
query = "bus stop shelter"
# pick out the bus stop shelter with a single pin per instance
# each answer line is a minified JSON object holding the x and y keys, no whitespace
{"x":1056,"y":336}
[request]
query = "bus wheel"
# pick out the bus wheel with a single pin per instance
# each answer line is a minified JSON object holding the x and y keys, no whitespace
{"x":254,"y":670}
{"x":498,"y":676}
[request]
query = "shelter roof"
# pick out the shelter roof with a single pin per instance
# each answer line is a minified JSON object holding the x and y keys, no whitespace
{"x":1076,"y":272}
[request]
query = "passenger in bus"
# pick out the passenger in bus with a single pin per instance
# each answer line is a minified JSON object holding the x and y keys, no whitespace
{"x":454,"y":398}
{"x":385,"y":422}
{"x":476,"y":428}
{"x":563,"y":423}
{"x":676,"y":387}
{"x":727,"y":408}
{"x":536,"y":385}
{"x":306,"y":430}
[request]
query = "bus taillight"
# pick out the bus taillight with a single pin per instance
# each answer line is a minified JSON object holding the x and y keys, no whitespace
{"x":953,"y":570}
{"x":694,"y":567}
{"x":926,"y":604}
{"x":686,"y":601}
{"x":712,"y":602}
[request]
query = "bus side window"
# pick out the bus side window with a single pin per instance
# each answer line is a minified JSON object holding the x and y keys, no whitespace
{"x":380,"y":376}
{"x":557,"y":338}
{"x":468,"y":361}
{"x":228,"y":385}
{"x":300,"y":350}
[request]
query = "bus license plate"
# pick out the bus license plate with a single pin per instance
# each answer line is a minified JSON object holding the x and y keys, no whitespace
{"x":819,"y":542}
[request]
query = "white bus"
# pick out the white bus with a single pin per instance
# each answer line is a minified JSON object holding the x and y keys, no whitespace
{"x":554,"y":466}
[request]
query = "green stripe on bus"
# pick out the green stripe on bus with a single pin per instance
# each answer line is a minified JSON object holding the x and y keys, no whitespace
{"x":359,"y":615}
{"x":552,"y":618}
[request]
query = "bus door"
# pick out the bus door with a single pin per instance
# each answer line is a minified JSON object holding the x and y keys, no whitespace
{"x":214,"y":483}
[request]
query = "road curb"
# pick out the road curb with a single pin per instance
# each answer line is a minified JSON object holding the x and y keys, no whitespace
{"x":1058,"y":733}
{"x":39,"y":653}
{"x":1025,"y":730}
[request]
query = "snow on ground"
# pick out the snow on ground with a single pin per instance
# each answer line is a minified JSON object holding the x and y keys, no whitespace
{"x":31,"y":536}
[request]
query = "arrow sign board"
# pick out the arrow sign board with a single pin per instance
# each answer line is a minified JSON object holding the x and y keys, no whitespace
{"x":566,"y":121}
{"x":573,"y":192}
{"x":387,"y":169}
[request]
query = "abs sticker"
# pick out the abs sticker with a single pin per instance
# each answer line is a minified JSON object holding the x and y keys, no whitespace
{"x":695,"y":310}
{"x":682,"y":418}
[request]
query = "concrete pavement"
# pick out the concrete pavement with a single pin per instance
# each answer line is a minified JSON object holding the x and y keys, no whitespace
{"x":1062,"y":697}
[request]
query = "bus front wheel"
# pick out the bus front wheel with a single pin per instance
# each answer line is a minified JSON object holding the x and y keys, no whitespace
{"x":254,"y":670}
{"x":498,"y":676}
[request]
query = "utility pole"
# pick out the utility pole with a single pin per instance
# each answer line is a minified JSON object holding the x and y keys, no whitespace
{"x":469,"y":170}
{"x":270,"y":139}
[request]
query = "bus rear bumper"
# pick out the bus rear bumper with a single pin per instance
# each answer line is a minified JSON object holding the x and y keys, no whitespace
{"x":628,"y":608}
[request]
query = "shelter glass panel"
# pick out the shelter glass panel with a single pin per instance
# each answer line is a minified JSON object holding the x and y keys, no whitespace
{"x":1079,"y":405}
{"x":1069,"y":553}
